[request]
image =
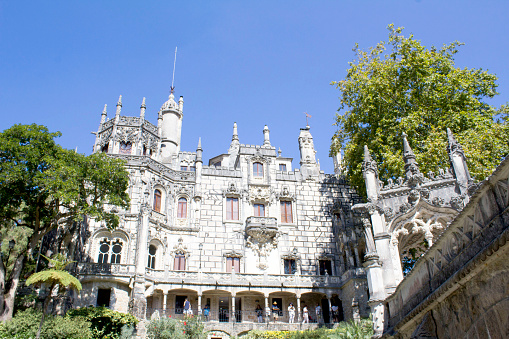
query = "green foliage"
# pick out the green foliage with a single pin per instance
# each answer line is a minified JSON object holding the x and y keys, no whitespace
{"x":167,"y":328}
{"x":42,"y":187}
{"x":106,"y":324}
{"x":127,"y":332}
{"x":401,"y":86}
{"x":25,"y":324}
{"x":350,"y":330}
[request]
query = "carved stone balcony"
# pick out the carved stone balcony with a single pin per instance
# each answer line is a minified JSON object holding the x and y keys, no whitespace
{"x":261,"y":229}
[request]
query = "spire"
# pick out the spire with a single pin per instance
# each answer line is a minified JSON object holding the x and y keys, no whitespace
{"x":368,"y":164}
{"x":235,"y":136}
{"x":266,"y":140}
{"x":142,"y":109}
{"x":453,"y":145}
{"x":119,"y":106}
{"x":412,"y":173}
{"x":103,"y":115}
{"x":199,"y":151}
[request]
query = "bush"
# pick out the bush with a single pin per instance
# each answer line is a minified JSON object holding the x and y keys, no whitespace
{"x":106,"y":324}
{"x":167,"y":328}
{"x":26,"y":323}
{"x":362,"y":329}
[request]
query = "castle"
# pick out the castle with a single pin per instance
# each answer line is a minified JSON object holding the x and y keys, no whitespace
{"x":247,"y":230}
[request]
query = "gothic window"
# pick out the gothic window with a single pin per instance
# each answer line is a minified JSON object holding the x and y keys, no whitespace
{"x":111,"y":251}
{"x":290,"y":266}
{"x":286,"y":212}
{"x":147,"y":151}
{"x":104,"y":250}
{"x":125,"y":148}
{"x":157,"y":200}
{"x":325,"y":267}
{"x":152,"y":250}
{"x":282,"y":167}
{"x":233,"y":264}
{"x":179,"y":263}
{"x":259,"y":210}
{"x":258,"y":169}
{"x":105,"y":148}
{"x":232,"y":208}
{"x":182,"y":208}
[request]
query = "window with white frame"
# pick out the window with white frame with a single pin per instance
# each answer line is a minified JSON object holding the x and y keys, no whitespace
{"x":110,"y":250}
{"x":232,"y":208}
{"x":182,"y":208}
{"x":259,"y":210}
{"x":286,"y":212}
{"x":152,"y":251}
{"x":257,"y":169}
{"x":233,"y":264}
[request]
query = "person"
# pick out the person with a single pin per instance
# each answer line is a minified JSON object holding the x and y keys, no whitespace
{"x":206,"y":312}
{"x":291,"y":313}
{"x":275,"y":311}
{"x":335,"y":309}
{"x":318,"y":311}
{"x":305,"y":314}
{"x":259,"y":313}
{"x":187,"y":308}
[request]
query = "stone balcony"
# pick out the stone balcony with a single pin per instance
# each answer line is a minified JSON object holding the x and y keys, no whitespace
{"x":198,"y":278}
{"x":261,"y":230}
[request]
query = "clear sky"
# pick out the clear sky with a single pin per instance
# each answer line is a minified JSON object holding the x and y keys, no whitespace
{"x":253,"y":62}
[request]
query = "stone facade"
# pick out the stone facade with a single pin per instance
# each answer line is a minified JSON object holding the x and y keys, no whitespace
{"x":244,"y":230}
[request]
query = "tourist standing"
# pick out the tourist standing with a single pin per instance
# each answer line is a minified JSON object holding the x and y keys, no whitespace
{"x":305,"y":315}
{"x":291,"y":313}
{"x":318,"y":311}
{"x":275,"y":311}
{"x":259,"y":313}
{"x":206,"y":312}
{"x":187,"y":308}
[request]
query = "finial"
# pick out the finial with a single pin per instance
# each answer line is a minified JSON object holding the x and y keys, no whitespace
{"x":142,"y":109}
{"x":181,"y":103}
{"x":279,"y":152}
{"x":235,"y":135}
{"x":407,"y":150}
{"x":368,"y":163}
{"x":412,"y":173}
{"x":199,"y":143}
{"x":119,"y":106}
{"x":103,"y":115}
{"x":199,"y":151}
{"x":367,"y":155}
{"x":307,"y":116}
{"x":266,"y":140}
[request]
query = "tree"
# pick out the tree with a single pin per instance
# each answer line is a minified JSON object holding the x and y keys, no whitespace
{"x":44,"y":187}
{"x":402,"y":86}
{"x":55,"y":275}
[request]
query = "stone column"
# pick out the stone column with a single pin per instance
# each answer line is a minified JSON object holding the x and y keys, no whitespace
{"x":232,"y":313}
{"x":330,"y":309}
{"x":138,"y":303}
{"x":165,"y":297}
{"x":377,"y":289}
{"x":299,"y":318}
{"x":357,"y":258}
{"x":267,"y":309}
{"x":199,"y":304}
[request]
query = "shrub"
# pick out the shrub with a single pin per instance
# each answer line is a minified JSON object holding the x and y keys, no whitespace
{"x":26,"y":323}
{"x":106,"y":324}
{"x":362,"y":329}
{"x":165,"y":328}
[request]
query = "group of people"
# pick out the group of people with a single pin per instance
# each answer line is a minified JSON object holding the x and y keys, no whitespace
{"x":275,"y":311}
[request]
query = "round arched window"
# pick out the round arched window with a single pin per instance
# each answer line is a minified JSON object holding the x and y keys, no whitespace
{"x":152,"y":250}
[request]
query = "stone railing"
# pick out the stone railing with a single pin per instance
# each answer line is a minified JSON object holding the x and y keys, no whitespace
{"x":105,"y":269}
{"x":249,"y":279}
{"x":475,"y":234}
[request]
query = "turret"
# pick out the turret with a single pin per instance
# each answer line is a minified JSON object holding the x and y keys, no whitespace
{"x":337,"y":161}
{"x":458,"y":162}
{"x":142,"y":109}
{"x":171,"y":127}
{"x":234,"y":145}
{"x":370,"y":174}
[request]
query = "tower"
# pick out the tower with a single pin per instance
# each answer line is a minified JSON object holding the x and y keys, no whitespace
{"x":171,"y":128}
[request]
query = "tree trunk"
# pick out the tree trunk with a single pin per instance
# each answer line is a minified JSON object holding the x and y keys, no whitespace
{"x":44,"y":309}
{"x":8,"y":296}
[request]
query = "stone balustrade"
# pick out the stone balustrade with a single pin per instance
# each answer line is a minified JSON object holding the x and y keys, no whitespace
{"x":219,"y":279}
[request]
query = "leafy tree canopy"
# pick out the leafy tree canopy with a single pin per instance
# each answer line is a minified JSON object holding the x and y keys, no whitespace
{"x":401,"y":86}
{"x":43,"y":187}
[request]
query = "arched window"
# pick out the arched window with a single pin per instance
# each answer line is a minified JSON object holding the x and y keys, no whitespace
{"x":157,"y":200}
{"x":182,"y":208}
{"x":125,"y":148}
{"x":152,"y":250}
{"x":104,"y":250}
{"x":116,"y":252}
{"x":258,"y":169}
{"x":110,"y":250}
{"x":105,"y":148}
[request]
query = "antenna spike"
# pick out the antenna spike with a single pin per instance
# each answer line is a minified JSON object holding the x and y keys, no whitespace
{"x":173,"y":76}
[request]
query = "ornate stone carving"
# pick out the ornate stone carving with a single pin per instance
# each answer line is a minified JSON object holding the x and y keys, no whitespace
{"x":259,"y":193}
{"x":262,"y":234}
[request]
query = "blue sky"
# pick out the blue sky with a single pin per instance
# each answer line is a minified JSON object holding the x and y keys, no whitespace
{"x":253,"y":62}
